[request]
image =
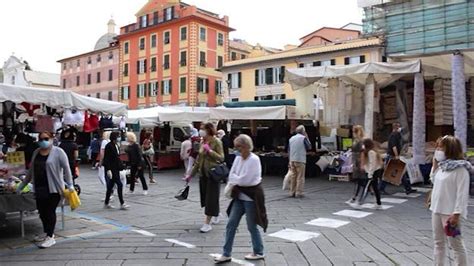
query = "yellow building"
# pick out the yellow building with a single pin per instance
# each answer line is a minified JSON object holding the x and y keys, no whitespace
{"x":263,"y":78}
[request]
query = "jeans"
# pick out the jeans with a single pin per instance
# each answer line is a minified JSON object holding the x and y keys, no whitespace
{"x":456,"y":243}
{"x":239,"y":208}
{"x":47,"y":212}
{"x":149,"y":165}
{"x":136,"y":171}
{"x":115,"y":180}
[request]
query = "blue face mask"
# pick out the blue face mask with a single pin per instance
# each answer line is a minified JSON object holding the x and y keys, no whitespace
{"x":237,"y":153}
{"x":43,"y":144}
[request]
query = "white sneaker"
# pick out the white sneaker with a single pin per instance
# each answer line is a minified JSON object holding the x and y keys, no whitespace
{"x":108,"y":206}
{"x":111,"y":198}
{"x":352,"y":200}
{"x":40,"y":238}
{"x":124,"y":207}
{"x":205,"y":228}
{"x":215,"y":220}
{"x":222,"y":259}
{"x":356,"y":205}
{"x":378,"y":207}
{"x":48,"y":242}
{"x":254,"y":257}
{"x":145,"y":192}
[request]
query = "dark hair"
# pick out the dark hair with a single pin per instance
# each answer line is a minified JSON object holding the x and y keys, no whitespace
{"x":368,"y":145}
{"x":114,"y":136}
{"x":211,"y":130}
{"x":452,"y":147}
{"x":47,"y":133}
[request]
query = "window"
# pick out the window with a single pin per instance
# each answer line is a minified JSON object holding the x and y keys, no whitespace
{"x":99,"y":58}
{"x":13,"y":80}
{"x":64,"y":66}
{"x":166,"y":87}
{"x":98,"y":77}
{"x":317,"y":64}
{"x":233,"y":56}
{"x":183,"y":33}
{"x":183,"y":58}
{"x":111,"y":74}
{"x":182,"y":85}
{"x":64,"y":83}
{"x":141,"y":66}
{"x":141,"y":90}
{"x":89,"y":60}
{"x":144,"y":21}
{"x":243,"y":56}
{"x":89,"y":79}
{"x":301,"y":65}
{"x":110,"y":96}
{"x":235,"y":80}
{"x":235,"y":99}
{"x":153,"y":41}
{"x":354,"y":60}
{"x":78,"y":81}
{"x":126,"y":47}
{"x":269,"y":76}
{"x":178,"y":133}
{"x":125,"y":70}
{"x":153,"y":89}
{"x":155,"y":18}
{"x":97,"y":95}
{"x":142,"y":44}
{"x":202,"y":59}
{"x":202,"y":34}
{"x":220,"y":39}
{"x":153,"y":64}
{"x":279,"y":97}
{"x":218,"y":87}
{"x":203,"y":85}
{"x":125,"y":93}
{"x":169,"y":13}
{"x":166,"y":61}
{"x":220,"y":61}
{"x":166,"y":37}
{"x":78,"y":63}
{"x":111,"y":55}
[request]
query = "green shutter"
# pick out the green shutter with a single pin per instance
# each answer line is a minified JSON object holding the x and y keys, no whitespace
{"x":347,"y":61}
{"x":282,"y":74}
{"x":256,"y":77}
{"x":240,"y":79}
{"x":138,"y":91}
{"x":207,"y":85}
{"x":171,"y":87}
{"x":162,"y":87}
{"x":121,"y":93}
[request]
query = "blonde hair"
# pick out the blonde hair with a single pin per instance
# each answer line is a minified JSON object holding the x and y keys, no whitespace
{"x":106,"y":135}
{"x":131,"y":137}
{"x":358,"y":132}
{"x":243,"y":139}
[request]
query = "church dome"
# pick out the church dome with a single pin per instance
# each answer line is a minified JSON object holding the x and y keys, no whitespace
{"x":105,"y":41}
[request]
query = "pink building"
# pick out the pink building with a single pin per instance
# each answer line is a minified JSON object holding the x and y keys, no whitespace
{"x":96,"y":73}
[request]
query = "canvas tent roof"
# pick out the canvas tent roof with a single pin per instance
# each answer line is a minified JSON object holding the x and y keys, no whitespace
{"x":168,"y":114}
{"x":249,"y":113}
{"x":60,"y":99}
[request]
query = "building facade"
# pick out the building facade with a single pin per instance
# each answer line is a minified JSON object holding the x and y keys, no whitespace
{"x":96,"y":73}
{"x":171,"y":54}
{"x":240,"y":49}
{"x":18,"y":72}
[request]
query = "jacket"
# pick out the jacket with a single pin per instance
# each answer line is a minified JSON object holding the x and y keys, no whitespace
{"x":135,"y":156}
{"x":57,"y":170}
{"x":257,"y":195}
{"x":112,"y":158}
{"x":205,"y":161}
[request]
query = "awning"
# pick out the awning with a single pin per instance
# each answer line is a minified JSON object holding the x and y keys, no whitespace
{"x":290,"y":102}
{"x":249,"y":113}
{"x":185,"y":114}
{"x":59,"y":99}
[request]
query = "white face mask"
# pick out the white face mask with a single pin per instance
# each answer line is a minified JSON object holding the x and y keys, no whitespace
{"x":439,"y":156}
{"x":202,"y":133}
{"x":399,"y":130}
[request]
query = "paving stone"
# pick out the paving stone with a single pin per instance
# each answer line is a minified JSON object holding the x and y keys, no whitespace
{"x":95,"y":263}
{"x":154,"y":262}
{"x":126,"y":256}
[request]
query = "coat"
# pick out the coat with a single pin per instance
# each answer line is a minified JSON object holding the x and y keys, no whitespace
{"x":205,"y":161}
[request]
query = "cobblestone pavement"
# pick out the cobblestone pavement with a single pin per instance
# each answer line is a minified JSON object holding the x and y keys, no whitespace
{"x":159,"y":230}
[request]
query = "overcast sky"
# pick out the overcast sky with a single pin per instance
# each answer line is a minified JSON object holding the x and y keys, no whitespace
{"x":45,"y":31}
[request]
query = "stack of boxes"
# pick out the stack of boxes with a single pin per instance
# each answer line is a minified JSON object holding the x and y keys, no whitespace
{"x":443,"y":102}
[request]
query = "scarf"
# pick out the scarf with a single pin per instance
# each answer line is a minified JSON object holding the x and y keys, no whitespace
{"x":450,"y":165}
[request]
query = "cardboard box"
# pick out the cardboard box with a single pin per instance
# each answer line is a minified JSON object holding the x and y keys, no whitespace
{"x":394,"y":171}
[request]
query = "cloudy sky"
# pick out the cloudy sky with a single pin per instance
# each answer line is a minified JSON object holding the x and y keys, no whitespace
{"x":45,"y":31}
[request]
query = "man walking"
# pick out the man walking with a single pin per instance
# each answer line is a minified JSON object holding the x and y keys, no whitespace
{"x":299,"y":145}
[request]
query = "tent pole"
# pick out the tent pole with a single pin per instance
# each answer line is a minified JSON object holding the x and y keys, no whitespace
{"x":459,"y":99}
{"x":369,"y":94}
{"x":419,"y":120}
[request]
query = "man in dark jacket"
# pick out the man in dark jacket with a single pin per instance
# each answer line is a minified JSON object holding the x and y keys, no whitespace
{"x":113,"y":165}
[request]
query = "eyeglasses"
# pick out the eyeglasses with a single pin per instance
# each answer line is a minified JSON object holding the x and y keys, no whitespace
{"x":44,"y":139}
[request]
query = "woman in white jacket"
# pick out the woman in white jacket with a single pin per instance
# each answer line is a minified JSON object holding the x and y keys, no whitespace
{"x":449,"y":199}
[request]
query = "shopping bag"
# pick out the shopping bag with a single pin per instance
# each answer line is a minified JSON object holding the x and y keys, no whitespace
{"x":228,"y":190}
{"x":101,"y":175}
{"x":394,"y":171}
{"x":123,"y":177}
{"x":183,"y":193}
{"x":287,"y":179}
{"x":72,"y":198}
{"x":414,"y":173}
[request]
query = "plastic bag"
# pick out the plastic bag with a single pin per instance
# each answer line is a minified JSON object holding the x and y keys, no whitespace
{"x":72,"y":198}
{"x":287,"y":180}
{"x":101,"y":175}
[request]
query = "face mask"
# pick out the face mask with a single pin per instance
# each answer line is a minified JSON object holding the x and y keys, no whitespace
{"x":202,"y":133}
{"x":237,"y":153}
{"x":44,"y":144}
{"x":400,"y":130}
{"x":440,"y":156}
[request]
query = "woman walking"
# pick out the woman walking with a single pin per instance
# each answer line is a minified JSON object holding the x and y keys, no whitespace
{"x":49,"y":169}
{"x":449,"y":200}
{"x":210,"y":155}
{"x":357,"y":171}
{"x":245,"y":180}
{"x":148,"y":155}
{"x":112,"y":167}
{"x":137,"y":163}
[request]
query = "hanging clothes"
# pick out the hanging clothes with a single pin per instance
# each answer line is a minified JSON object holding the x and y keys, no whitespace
{"x":91,"y":122}
{"x":106,"y":122}
{"x":73,"y":118}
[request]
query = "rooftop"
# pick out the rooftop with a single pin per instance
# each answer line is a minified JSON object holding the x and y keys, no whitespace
{"x":42,"y":78}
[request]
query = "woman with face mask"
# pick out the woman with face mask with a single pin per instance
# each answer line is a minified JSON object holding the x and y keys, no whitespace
{"x":46,"y":174}
{"x":449,"y":199}
{"x":112,"y":166}
{"x":137,"y":163}
{"x":210,"y":155}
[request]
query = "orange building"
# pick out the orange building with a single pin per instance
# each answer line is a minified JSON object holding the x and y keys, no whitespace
{"x":170,"y":56}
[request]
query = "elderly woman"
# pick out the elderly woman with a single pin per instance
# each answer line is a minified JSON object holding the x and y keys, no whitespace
{"x":245,"y":180}
{"x":210,"y":155}
{"x":449,"y":199}
{"x":49,"y":169}
{"x":137,"y":162}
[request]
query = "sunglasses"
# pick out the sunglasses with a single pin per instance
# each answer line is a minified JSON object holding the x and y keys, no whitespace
{"x":44,"y":139}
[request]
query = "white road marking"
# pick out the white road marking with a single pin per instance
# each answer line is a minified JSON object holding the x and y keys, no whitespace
{"x":294,"y":235}
{"x":240,"y":262}
{"x":143,"y":232}
{"x":404,"y":195}
{"x":372,"y":206}
{"x":393,"y":200}
{"x":327,"y":222}
{"x":352,"y":213}
{"x":177,"y":242}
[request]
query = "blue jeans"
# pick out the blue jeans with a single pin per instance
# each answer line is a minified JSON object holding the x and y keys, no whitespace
{"x":239,"y":208}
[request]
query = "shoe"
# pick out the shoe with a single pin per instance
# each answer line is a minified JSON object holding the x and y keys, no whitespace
{"x":408,"y":192}
{"x":205,"y":228}
{"x":145,"y":192}
{"x":352,"y":200}
{"x":152,"y":181}
{"x":111,"y":198}
{"x":124,"y":207}
{"x":254,"y":257}
{"x":40,"y":238}
{"x":222,"y":259}
{"x":215,"y":220}
{"x":299,"y":196}
{"x":378,"y":207}
{"x":48,"y":242}
{"x":108,"y":206}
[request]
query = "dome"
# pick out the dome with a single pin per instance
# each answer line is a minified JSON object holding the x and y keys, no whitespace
{"x":105,"y":41}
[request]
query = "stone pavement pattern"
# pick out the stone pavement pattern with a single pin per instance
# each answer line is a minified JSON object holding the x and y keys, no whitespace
{"x":400,"y":235}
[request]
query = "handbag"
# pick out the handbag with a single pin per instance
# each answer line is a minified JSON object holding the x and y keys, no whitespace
{"x":183,"y":193}
{"x":228,"y":190}
{"x":219,"y":173}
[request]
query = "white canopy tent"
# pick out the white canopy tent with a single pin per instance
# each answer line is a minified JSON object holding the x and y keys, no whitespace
{"x":249,"y":113}
{"x":186,"y":114}
{"x":60,"y":99}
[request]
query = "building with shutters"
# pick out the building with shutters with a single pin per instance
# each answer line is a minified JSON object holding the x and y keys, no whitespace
{"x":95,"y":73}
{"x":171,"y":54}
{"x":263,"y":78}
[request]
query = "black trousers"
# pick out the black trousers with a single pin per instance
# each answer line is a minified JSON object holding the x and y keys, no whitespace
{"x":149,"y":165}
{"x":374,"y":183}
{"x":135,"y":172}
{"x":115,"y":180}
{"x":209,"y":191}
{"x":46,"y":206}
